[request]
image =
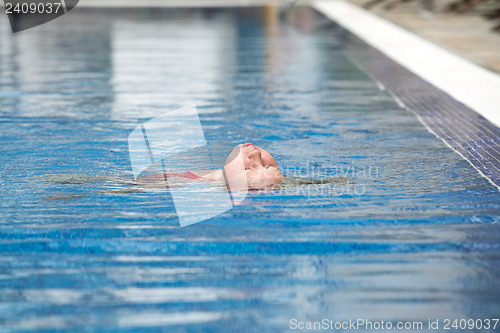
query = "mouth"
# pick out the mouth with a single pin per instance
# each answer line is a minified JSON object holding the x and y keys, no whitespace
{"x":247,"y":144}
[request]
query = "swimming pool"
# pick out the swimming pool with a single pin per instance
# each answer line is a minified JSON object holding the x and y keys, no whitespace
{"x":417,"y":239}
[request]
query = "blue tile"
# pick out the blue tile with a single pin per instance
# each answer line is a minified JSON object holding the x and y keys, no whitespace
{"x":462,"y":128}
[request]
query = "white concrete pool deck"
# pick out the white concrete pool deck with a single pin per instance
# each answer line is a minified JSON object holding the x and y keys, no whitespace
{"x":468,"y":83}
{"x":475,"y":87}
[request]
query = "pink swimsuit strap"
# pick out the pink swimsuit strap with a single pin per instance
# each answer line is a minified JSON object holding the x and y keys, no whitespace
{"x":162,"y":176}
{"x":188,"y":175}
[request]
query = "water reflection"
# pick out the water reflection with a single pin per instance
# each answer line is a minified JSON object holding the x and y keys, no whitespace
{"x":421,"y":242}
{"x":56,"y":70}
{"x":163,"y":63}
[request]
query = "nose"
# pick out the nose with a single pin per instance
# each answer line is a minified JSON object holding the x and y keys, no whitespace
{"x":255,"y":155}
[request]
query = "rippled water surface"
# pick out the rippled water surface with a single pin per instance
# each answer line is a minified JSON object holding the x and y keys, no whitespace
{"x":415,"y":238}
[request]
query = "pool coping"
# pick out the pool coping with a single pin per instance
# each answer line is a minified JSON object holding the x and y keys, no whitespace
{"x":432,"y":63}
{"x":422,"y":78}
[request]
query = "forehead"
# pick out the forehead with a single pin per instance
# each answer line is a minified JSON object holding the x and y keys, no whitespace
{"x":266,"y":154}
{"x":267,"y":177}
{"x":271,"y":172}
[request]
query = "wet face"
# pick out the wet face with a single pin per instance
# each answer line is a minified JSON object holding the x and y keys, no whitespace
{"x":253,"y":166}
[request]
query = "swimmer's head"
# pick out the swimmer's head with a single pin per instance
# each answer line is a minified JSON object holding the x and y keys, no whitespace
{"x":252,"y":166}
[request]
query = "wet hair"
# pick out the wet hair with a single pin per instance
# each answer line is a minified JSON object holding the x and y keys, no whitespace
{"x":289,"y":181}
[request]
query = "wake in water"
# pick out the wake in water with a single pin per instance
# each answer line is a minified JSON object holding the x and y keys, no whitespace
{"x":137,"y":187}
{"x":246,"y":168}
{"x":78,"y":179}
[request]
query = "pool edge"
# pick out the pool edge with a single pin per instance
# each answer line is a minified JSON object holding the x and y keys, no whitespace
{"x":463,"y":124}
{"x":438,"y":65}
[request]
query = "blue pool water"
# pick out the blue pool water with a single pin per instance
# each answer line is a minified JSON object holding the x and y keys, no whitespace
{"x":416,"y":238}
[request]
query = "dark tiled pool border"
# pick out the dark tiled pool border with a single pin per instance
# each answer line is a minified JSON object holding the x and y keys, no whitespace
{"x":462,"y":129}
